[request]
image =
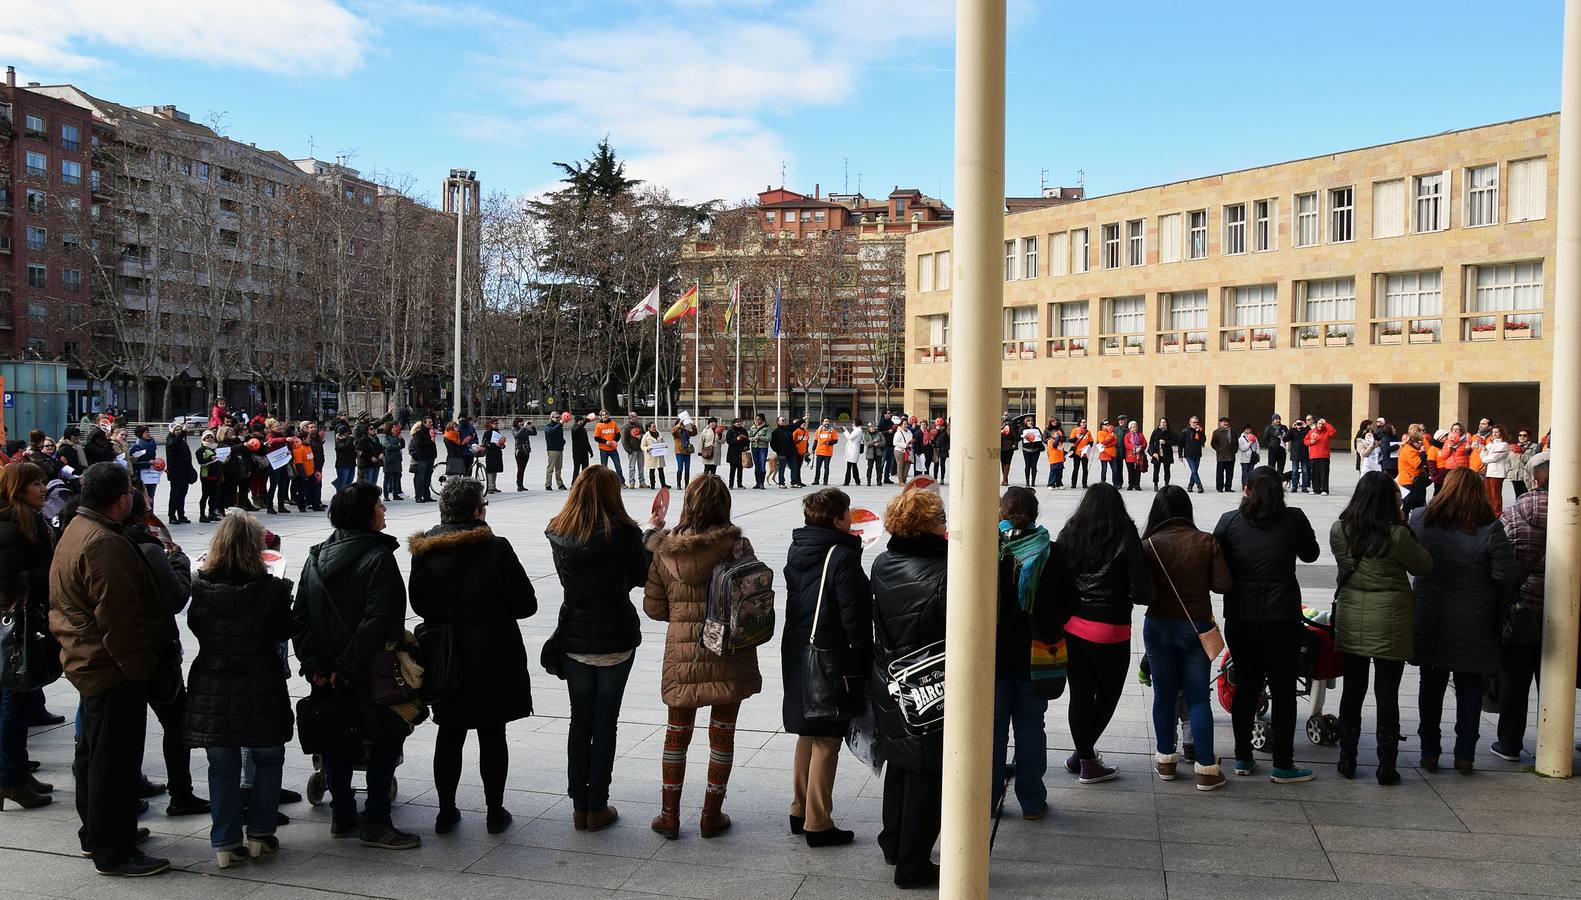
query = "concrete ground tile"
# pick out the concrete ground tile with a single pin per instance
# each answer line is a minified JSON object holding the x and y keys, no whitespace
{"x":1459,"y":874}
{"x":1439,"y":845}
{"x":1425,"y":818}
{"x":1262,"y":887}
{"x":1501,"y":821}
{"x":1206,"y":828}
{"x":1223,"y":805}
{"x":472,"y":886}
{"x":1012,"y":878}
{"x":1029,"y":842}
{"x":693,"y":880}
{"x":556,"y":866}
{"x":1271,"y":860}
{"x":630,"y":837}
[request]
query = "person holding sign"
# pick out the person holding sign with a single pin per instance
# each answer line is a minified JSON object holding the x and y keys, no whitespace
{"x":142,"y":454}
{"x":653,"y":452}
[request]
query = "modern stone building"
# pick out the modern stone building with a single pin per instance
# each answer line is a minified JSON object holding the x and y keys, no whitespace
{"x":1411,"y":279}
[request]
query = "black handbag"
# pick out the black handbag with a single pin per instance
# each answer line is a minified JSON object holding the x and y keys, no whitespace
{"x":441,"y":668}
{"x":329,"y":722}
{"x":552,"y":656}
{"x":1520,"y":624}
{"x":829,"y":692}
{"x":29,"y":656}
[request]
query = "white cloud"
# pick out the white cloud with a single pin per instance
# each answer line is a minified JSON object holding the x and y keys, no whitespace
{"x":689,"y":90}
{"x":290,"y":37}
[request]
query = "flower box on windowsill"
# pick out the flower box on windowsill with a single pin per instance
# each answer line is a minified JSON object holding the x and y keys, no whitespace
{"x":1235,"y":345}
{"x":1426,"y":337}
{"x":1170,"y":348}
{"x":1029,"y":354}
{"x":1078,"y":351}
{"x":1390,"y":338}
{"x":1133,"y":350}
{"x":1262,"y":343}
{"x":1517,"y":334}
{"x":1311,"y":342}
{"x":1483,"y":335}
{"x":1196,"y":347}
{"x":1336,"y":341}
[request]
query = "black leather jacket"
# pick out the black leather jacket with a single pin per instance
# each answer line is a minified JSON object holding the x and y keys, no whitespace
{"x":1107,"y":593}
{"x":908,"y":614}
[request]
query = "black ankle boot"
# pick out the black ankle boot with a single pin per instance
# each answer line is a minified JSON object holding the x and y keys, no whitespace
{"x":1388,"y":753}
{"x":1349,"y":735}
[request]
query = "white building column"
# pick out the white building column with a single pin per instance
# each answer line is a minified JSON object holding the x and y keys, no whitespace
{"x":976,"y":385}
{"x":1556,"y":706}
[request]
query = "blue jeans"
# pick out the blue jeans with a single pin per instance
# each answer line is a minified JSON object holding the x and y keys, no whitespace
{"x":225,"y":794}
{"x":15,"y":712}
{"x":611,"y":458}
{"x":382,"y":758}
{"x":596,"y":693}
{"x":344,"y":477}
{"x":370,"y":475}
{"x":1056,"y":474}
{"x":392,"y":482}
{"x":1175,"y":656}
{"x":1192,"y":462}
{"x":1016,"y":702}
{"x":683,"y":468}
{"x":760,"y":464}
{"x":1468,"y":711}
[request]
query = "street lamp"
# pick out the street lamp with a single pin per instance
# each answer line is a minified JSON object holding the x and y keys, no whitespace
{"x":460,"y":188}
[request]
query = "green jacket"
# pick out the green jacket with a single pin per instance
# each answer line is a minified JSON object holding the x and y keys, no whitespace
{"x":760,"y":435}
{"x":1375,"y":608}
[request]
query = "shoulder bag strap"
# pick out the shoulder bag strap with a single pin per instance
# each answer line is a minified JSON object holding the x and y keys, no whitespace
{"x":812,"y":639}
{"x":1171,"y":581}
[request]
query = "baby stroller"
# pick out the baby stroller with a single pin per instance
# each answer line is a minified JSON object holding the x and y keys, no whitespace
{"x":1318,"y":666}
{"x":318,"y":782}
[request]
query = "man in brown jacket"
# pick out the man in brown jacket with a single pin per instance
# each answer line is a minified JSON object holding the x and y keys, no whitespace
{"x":115,"y":631}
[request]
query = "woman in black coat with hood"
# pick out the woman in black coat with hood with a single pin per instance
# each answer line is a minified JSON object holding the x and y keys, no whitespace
{"x":825,"y":562}
{"x":180,"y":472}
{"x":468,"y":578}
{"x":908,"y":615}
{"x":236,"y":691}
{"x":600,"y":556}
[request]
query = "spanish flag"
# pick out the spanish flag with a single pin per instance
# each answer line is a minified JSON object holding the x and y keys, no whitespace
{"x":685,"y":306}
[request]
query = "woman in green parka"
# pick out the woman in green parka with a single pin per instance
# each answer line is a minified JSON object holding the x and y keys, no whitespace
{"x":1374,"y":614}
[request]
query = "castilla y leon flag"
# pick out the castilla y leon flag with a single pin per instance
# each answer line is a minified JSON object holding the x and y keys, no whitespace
{"x":648,"y":307}
{"x":685,"y":306}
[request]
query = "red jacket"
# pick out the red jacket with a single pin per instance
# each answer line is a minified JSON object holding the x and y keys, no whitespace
{"x":1317,"y":440}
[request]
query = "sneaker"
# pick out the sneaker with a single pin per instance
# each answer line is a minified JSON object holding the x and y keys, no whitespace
{"x":389,"y":837}
{"x":1503,"y":754}
{"x":1072,"y":764}
{"x":340,"y":829}
{"x":1245,"y":767}
{"x":134,"y":866}
{"x":1035,"y":815}
{"x":1164,"y":764}
{"x":1093,"y":771}
{"x":188,"y":805}
{"x":141,"y":836}
{"x":1209,"y":778}
{"x":1291,"y":776}
{"x":289,"y":796}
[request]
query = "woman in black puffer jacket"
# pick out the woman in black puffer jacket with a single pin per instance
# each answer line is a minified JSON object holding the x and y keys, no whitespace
{"x":468,"y":578}
{"x":908,"y":583}
{"x":600,"y":556}
{"x":236,"y":691}
{"x":26,"y":550}
{"x":825,"y":561}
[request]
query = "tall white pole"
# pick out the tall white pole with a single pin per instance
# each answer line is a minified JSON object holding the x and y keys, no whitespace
{"x":1556,"y":696}
{"x":697,"y":354}
{"x":975,"y":387}
{"x":658,"y":320}
{"x":735,"y":314}
{"x":779,"y":353}
{"x":461,"y":212}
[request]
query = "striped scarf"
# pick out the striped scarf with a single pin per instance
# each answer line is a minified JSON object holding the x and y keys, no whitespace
{"x":1031,"y":551}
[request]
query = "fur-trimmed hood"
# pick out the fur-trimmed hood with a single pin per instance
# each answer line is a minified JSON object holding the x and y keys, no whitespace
{"x":449,"y":536}
{"x":670,"y":541}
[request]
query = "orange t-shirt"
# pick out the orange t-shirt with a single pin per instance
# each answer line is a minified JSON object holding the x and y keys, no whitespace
{"x":302,"y":456}
{"x":607,"y":435}
{"x":800,"y":438}
{"x":1081,"y":439}
{"x":1411,"y":462}
{"x":827,"y":438}
{"x":1108,"y":440}
{"x":1056,"y":452}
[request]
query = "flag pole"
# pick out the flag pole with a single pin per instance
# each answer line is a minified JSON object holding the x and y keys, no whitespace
{"x":697,"y":352}
{"x":779,"y":353}
{"x":735,"y":296}
{"x":658,"y":320}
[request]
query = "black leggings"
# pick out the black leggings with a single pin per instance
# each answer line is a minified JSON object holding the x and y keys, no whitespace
{"x":1386,"y":690}
{"x":1097,"y":677}
{"x":1265,"y":653}
{"x":1078,"y":468}
{"x":1031,"y":459}
{"x":853,"y":475}
{"x":493,"y":762}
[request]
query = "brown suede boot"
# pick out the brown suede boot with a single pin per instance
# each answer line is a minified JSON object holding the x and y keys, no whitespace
{"x":668,"y":822}
{"x":601,"y":818}
{"x":713,"y":822}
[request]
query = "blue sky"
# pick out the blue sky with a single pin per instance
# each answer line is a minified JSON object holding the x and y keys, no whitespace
{"x":711,"y":97}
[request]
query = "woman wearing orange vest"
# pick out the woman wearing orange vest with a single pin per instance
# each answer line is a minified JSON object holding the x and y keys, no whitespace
{"x":825,"y":439}
{"x":1055,"y":437}
{"x":1080,"y":440}
{"x":1412,"y":475}
{"x":1108,"y":459}
{"x":1455,"y":451}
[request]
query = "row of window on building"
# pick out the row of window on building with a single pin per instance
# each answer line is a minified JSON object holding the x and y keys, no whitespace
{"x":1327,"y":216}
{"x":37,"y":128}
{"x":1502,"y":300}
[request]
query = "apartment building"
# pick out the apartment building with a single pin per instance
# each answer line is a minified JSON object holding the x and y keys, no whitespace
{"x":837,"y":263}
{"x":1412,"y":279}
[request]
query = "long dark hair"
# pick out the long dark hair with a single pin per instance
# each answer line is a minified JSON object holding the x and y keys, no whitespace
{"x":1171,"y":503}
{"x":1265,"y":497}
{"x":1461,"y":504}
{"x":1373,"y":511}
{"x":593,"y":506}
{"x":1098,"y":528}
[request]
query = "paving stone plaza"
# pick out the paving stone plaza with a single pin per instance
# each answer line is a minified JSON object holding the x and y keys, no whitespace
{"x":1499,"y":832}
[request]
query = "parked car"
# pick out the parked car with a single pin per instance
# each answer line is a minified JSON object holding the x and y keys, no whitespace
{"x":191,"y":421}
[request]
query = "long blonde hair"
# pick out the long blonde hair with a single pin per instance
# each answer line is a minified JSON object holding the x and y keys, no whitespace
{"x":593,"y":505}
{"x":237,"y":547}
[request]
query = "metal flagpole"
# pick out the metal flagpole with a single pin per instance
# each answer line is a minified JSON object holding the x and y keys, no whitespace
{"x":975,"y":385}
{"x":1562,"y":589}
{"x":735,"y":313}
{"x":658,"y":320}
{"x":697,"y":351}
{"x":779,"y":353}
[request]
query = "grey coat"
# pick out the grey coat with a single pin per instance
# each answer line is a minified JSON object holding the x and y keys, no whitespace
{"x":1456,"y":622}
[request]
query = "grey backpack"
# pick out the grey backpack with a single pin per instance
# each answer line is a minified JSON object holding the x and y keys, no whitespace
{"x":740,"y":604}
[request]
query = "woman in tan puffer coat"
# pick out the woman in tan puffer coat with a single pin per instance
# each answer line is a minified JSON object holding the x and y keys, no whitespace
{"x":683,"y":564}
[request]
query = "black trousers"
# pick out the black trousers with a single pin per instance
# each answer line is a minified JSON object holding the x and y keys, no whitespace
{"x":1320,"y":475}
{"x":1097,"y":674}
{"x":1265,"y":653}
{"x":421,"y":472}
{"x":1079,"y":467}
{"x":521,"y":468}
{"x":1161,"y":468}
{"x":1133,"y":472}
{"x":493,"y":763}
{"x":912,"y":811}
{"x":178,"y":499}
{"x":1386,"y":690}
{"x":853,"y":475}
{"x":109,"y":759}
{"x":178,"y":757}
{"x":820,"y":470}
{"x":1030,"y":458}
{"x":1224,"y":475}
{"x":735,"y":475}
{"x":1518,"y":668}
{"x":1276,"y":460}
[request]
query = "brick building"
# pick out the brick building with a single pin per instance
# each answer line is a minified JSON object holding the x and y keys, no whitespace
{"x":838,"y":265}
{"x":1412,"y":279}
{"x":47,"y":180}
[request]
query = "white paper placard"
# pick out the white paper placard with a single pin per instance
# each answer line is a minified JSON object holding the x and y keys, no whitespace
{"x":280,"y":458}
{"x":658,"y":450}
{"x":149,"y":476}
{"x":221,"y":454}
